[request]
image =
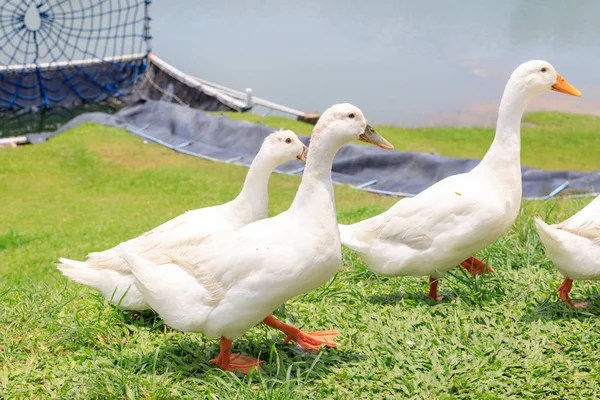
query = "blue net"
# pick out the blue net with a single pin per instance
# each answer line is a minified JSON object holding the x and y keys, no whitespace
{"x":69,"y":52}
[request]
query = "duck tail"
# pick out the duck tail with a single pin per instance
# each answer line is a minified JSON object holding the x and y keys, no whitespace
{"x":78,"y":271}
{"x":348,"y":238}
{"x":546,"y":232}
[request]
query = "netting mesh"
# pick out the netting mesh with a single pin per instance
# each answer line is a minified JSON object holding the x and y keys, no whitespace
{"x":69,"y":52}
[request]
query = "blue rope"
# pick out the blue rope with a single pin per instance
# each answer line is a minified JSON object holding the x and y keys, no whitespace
{"x":33,"y":32}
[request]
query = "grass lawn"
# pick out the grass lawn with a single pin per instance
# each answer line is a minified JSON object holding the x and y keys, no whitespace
{"x":503,"y":335}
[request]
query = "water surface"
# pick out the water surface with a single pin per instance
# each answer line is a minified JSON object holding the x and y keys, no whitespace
{"x":415,"y":63}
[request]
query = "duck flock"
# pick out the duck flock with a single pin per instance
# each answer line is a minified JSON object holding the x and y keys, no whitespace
{"x":222,"y":270}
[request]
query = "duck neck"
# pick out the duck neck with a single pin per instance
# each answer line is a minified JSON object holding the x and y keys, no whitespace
{"x":316,"y":188}
{"x":255,"y":193}
{"x":505,"y":152}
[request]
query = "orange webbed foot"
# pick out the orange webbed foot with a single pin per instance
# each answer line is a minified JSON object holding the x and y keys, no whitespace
{"x":564,"y":290}
{"x":476,"y":267}
{"x":312,"y":341}
{"x":308,"y":341}
{"x":236,"y":362}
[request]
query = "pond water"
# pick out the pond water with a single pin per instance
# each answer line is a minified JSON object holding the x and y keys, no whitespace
{"x":409,"y":63}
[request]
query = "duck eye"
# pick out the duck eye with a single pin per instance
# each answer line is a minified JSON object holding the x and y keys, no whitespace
{"x":351,"y":115}
{"x":544,"y":69}
{"x":288,"y":140}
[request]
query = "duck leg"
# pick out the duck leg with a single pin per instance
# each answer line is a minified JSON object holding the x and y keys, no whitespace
{"x":309,"y":341}
{"x":564,"y":290}
{"x":475,"y":266}
{"x":433,"y":284}
{"x":234,"y":362}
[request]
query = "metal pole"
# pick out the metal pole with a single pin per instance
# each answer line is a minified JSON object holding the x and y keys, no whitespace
{"x":248,"y":97}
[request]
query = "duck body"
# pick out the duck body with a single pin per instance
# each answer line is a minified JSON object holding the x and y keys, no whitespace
{"x":110,"y":274}
{"x":238,"y":279}
{"x":435,"y":231}
{"x":574,"y":247}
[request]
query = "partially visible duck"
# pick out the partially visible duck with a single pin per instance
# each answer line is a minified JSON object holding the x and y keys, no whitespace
{"x":574,"y":247}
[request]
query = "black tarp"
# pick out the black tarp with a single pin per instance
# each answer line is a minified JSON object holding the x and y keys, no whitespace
{"x":393,"y":172}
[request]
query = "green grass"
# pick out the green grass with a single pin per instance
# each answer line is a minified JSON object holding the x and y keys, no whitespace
{"x":503,"y":335}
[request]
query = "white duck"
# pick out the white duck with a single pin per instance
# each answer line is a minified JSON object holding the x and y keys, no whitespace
{"x":441,"y":227}
{"x":574,"y":247}
{"x":109,"y":274}
{"x":232,"y":282}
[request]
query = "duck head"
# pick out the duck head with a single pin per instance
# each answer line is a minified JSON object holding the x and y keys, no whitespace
{"x":284,"y":146}
{"x":344,"y":123}
{"x":537,"y":77}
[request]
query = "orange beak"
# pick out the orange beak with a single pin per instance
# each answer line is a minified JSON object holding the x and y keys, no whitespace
{"x":563,"y":86}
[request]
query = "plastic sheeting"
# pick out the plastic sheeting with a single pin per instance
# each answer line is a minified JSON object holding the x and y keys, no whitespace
{"x":370,"y":168}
